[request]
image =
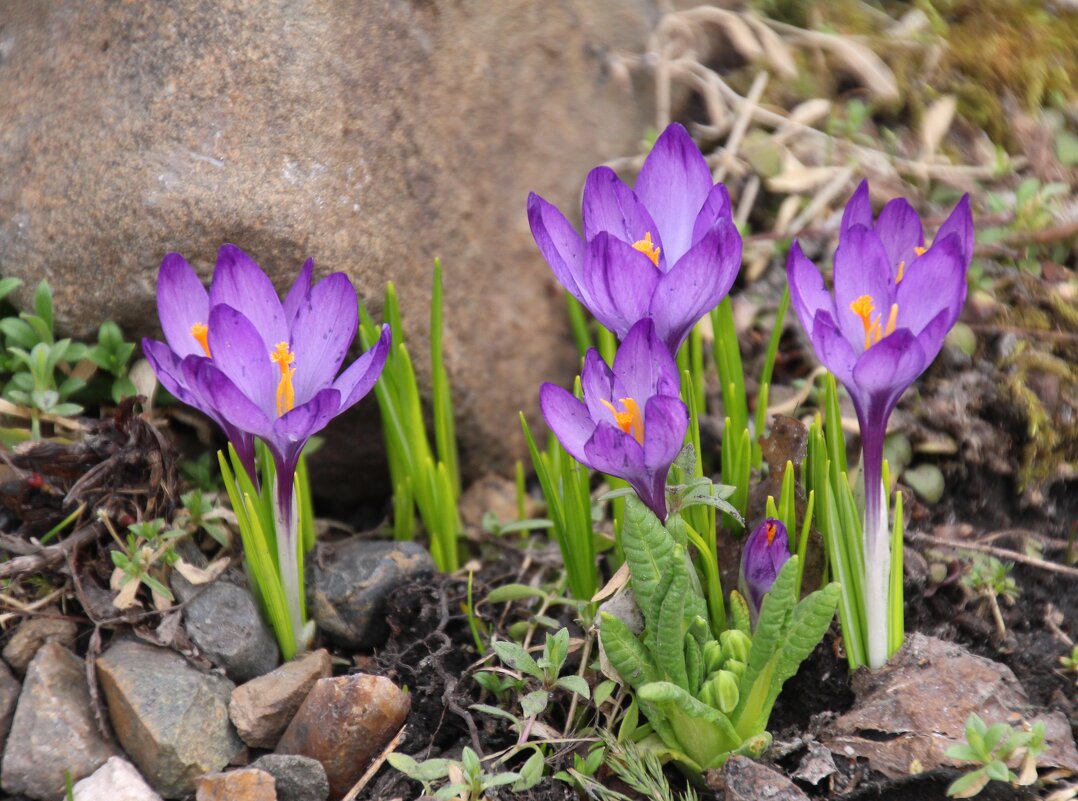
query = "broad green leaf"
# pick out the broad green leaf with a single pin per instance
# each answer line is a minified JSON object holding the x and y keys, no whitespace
{"x":701,"y":732}
{"x":499,"y":779}
{"x":531,"y":773}
{"x":669,"y":628}
{"x":998,"y":771}
{"x":574,"y":684}
{"x":533,"y":704}
{"x":648,"y":548}
{"x":969,"y":785}
{"x":961,"y":752}
{"x":513,"y":592}
{"x":426,"y":771}
{"x":625,"y":652}
{"x":517,"y":658}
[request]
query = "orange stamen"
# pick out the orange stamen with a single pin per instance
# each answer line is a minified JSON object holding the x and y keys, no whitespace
{"x":772,"y":529}
{"x":201,"y":332}
{"x":286,"y":394}
{"x":647,"y":247}
{"x":918,"y":251}
{"x":863,"y":308}
{"x":892,"y":321}
{"x":631,"y":421}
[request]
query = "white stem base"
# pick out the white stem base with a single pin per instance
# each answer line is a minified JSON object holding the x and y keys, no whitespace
{"x":288,"y":559}
{"x":877,"y":588}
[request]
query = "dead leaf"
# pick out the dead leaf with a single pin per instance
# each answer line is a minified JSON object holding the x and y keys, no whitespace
{"x":737,"y":31}
{"x":125,"y":598}
{"x":776,"y":51}
{"x":201,"y":575}
{"x":936,"y":124}
{"x":861,"y":62}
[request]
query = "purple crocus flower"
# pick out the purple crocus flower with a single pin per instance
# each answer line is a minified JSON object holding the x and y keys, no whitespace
{"x":766,"y":550}
{"x":893,"y":302}
{"x":668,"y":250}
{"x":631,"y":423}
{"x":269,"y":371}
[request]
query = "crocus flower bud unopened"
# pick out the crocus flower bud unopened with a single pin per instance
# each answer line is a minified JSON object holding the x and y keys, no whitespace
{"x":766,"y":551}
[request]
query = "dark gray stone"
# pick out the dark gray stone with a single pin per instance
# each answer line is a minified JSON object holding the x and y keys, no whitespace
{"x":348,"y":584}
{"x":171,"y":719}
{"x":224,"y":622}
{"x":299,"y":778}
{"x":54,"y":730}
{"x":9,"y":697}
{"x":744,"y":779}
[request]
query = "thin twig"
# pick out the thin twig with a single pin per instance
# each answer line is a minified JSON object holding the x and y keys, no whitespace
{"x":1002,"y":553}
{"x":357,"y":788}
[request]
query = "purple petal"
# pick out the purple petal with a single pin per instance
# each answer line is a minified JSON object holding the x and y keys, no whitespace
{"x":861,"y":268}
{"x":899,"y":228}
{"x":300,"y":287}
{"x":891,"y":365}
{"x":611,"y":206}
{"x":597,"y":381}
{"x":240,"y":283}
{"x":619,"y":282}
{"x":716,"y":210}
{"x":832,"y":348}
{"x":643,"y":366}
{"x":933,"y":282}
{"x":931,"y":337}
{"x":666,"y":419}
{"x":612,"y":451}
{"x":181,"y":303}
{"x":960,"y":222}
{"x":229,"y":404}
{"x":324,"y":328}
{"x":858,"y":211}
{"x":761,"y":560}
{"x":568,"y":418}
{"x":673,"y":184}
{"x":169,"y":370}
{"x":559,"y":243}
{"x":696,"y":284}
{"x":807,"y":290}
{"x":307,"y":419}
{"x":362,"y":374}
{"x":240,"y":353}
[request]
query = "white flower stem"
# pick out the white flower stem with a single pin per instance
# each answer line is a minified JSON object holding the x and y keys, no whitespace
{"x":877,"y":577}
{"x":286,"y":521}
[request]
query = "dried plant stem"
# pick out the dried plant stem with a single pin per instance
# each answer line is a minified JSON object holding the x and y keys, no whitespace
{"x":1001,"y":553}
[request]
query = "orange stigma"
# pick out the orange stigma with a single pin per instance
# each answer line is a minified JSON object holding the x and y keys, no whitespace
{"x":630,"y":421}
{"x":772,"y":530}
{"x":647,"y":247}
{"x":201,"y":332}
{"x":286,"y":394}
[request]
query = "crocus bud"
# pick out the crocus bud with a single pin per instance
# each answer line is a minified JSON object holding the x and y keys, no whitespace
{"x":735,"y":667}
{"x":766,"y":551}
{"x":724,"y":691}
{"x":735,"y":644}
{"x":713,"y":656}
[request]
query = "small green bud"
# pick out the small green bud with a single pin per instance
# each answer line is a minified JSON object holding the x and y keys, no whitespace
{"x":724,"y":687}
{"x":713,"y":656}
{"x":736,"y":645}
{"x":735,"y":667}
{"x":707,"y":695}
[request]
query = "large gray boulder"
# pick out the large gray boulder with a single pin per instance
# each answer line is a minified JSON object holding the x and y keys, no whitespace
{"x":372,"y":136}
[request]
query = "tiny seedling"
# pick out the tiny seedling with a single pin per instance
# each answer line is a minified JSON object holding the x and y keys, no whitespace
{"x":1070,"y":663}
{"x":466,"y":779}
{"x":990,"y":580}
{"x":993,"y":748}
{"x":142,"y":558}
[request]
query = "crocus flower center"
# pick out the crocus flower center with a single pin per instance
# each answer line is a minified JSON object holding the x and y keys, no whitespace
{"x":201,"y":332}
{"x":647,"y":247}
{"x":631,"y":421}
{"x":286,"y":395}
{"x":863,"y":307}
{"x":918,"y":250}
{"x":771,"y":530}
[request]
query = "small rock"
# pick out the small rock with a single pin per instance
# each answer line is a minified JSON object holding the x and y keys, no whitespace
{"x":493,"y":494}
{"x":224,"y":622}
{"x":299,"y":778}
{"x":262,"y":708}
{"x":744,"y":779}
{"x":170,"y":718}
{"x":116,"y":780}
{"x":344,"y":723}
{"x":816,"y":765}
{"x":915,"y":707}
{"x":9,"y":697}
{"x":34,"y":632}
{"x":53,"y":731}
{"x":246,"y":784}
{"x":348,"y":584}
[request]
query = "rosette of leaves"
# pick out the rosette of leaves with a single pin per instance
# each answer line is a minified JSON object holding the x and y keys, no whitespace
{"x":705,"y":697}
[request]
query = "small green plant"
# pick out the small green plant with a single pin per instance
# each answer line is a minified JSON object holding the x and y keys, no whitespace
{"x":466,"y":779}
{"x":640,"y":768}
{"x":202,"y":473}
{"x":1036,"y":206}
{"x":706,"y":696}
{"x":993,"y":748}
{"x":143,"y":557}
{"x":990,"y":580}
{"x":545,"y":671}
{"x":111,"y":354}
{"x":200,"y":513}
